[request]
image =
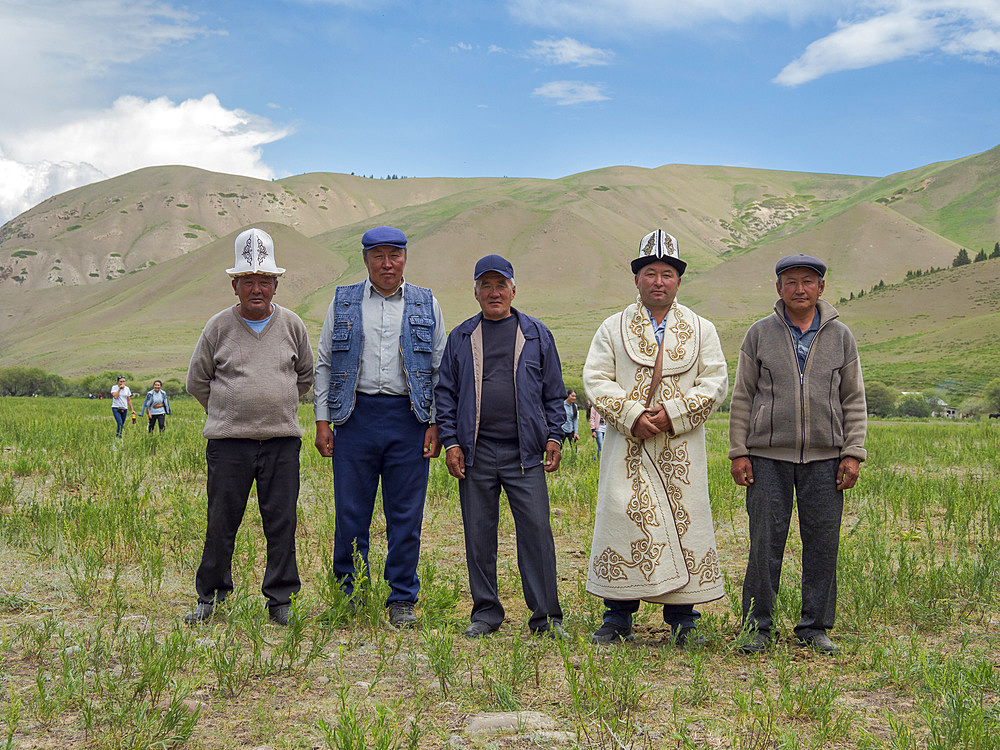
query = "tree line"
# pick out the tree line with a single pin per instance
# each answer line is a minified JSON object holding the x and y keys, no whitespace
{"x":34,"y":381}
{"x":961,"y":259}
{"x":884,"y":401}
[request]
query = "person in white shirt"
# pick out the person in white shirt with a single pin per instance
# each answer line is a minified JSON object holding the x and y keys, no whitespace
{"x":121,"y":403}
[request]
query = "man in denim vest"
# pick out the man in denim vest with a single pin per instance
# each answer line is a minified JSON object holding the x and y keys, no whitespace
{"x":376,"y":368}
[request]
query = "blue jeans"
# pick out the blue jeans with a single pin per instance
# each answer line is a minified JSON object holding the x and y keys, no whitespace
{"x":382,"y":439}
{"x":119,"y":415}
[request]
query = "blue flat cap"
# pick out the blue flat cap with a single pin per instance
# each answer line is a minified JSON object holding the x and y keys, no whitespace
{"x":799,"y":260}
{"x":494,"y":263}
{"x":383,"y":236}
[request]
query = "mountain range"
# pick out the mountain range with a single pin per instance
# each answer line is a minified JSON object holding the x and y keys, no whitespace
{"x":122,"y":274}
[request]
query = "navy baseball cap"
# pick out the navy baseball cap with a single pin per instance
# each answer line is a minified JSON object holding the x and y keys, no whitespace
{"x":383,"y":236}
{"x":494,"y":263}
{"x":799,"y":260}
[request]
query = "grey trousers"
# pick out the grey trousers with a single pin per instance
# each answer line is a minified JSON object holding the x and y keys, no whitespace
{"x":498,"y":465}
{"x":769,"y":506}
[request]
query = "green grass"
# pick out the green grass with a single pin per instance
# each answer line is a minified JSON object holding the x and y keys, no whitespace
{"x":99,"y":544}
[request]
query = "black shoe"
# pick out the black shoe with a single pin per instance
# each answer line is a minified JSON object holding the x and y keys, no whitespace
{"x":611,"y":633}
{"x":479,"y":629}
{"x":760,"y":643}
{"x":554,"y":630}
{"x":820,"y":642}
{"x":279,"y":614}
{"x":199,"y":614}
{"x":401,"y":615}
{"x":690,"y":638}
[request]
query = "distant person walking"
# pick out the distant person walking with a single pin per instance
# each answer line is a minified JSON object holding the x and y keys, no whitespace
{"x":571,"y":419}
{"x":121,"y":403}
{"x":249,"y":368}
{"x":156,"y":406}
{"x":376,"y":368}
{"x":598,"y":428}
{"x":797,"y":428}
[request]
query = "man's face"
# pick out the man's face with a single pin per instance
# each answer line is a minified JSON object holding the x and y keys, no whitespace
{"x":255,"y":291}
{"x":800,"y":288}
{"x":121,"y":382}
{"x":494,"y":293}
{"x":385,"y":267}
{"x":657,"y":283}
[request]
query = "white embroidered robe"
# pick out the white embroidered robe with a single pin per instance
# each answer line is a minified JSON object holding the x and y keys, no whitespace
{"x":653,"y":534}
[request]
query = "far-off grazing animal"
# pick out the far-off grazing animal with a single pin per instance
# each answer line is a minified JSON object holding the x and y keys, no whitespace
{"x":995,"y":416}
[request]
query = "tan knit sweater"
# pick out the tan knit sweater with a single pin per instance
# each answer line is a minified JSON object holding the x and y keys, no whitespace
{"x":248,"y":382}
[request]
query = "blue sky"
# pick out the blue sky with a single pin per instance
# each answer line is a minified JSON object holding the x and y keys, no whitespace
{"x":533,"y":88}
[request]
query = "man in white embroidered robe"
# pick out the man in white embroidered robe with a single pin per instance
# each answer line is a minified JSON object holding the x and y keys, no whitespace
{"x":653,"y":535}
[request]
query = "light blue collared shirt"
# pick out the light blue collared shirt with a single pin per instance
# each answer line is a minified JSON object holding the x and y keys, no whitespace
{"x":381,"y":361}
{"x":658,"y":328}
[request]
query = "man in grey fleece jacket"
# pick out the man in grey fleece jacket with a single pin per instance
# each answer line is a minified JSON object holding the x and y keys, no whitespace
{"x":797,"y":426}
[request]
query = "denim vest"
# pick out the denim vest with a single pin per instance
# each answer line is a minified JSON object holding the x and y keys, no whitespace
{"x":416,"y":344}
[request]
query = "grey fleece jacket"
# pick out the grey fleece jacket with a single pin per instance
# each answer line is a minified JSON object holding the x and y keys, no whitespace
{"x":778,"y":414}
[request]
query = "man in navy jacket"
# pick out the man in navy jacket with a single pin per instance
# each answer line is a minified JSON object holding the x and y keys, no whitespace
{"x":499,"y":403}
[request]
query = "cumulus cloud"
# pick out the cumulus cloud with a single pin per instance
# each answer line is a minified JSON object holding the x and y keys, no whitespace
{"x":969,"y":28}
{"x":133,"y":133}
{"x":626,"y":14}
{"x":61,"y":49}
{"x":568,"y":51}
{"x":868,"y":32}
{"x":571,"y":92}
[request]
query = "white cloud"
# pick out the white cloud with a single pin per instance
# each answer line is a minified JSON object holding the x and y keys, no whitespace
{"x":133,"y":133}
{"x":869,"y":32}
{"x":61,"y":49}
{"x":627,"y":14}
{"x":462,"y":47}
{"x":910,"y":27}
{"x":568,"y":51}
{"x":571,"y":92}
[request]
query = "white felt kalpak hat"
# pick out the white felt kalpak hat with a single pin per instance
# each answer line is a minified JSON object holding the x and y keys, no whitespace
{"x":658,"y":245}
{"x":255,"y":254}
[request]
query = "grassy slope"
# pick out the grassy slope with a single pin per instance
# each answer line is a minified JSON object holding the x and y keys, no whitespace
{"x":569,"y":240}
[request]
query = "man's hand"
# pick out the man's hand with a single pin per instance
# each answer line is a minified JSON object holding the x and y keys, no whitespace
{"x":660,"y":419}
{"x":644,"y":428}
{"x":324,"y":439}
{"x":553,"y":455}
{"x":454,"y":459}
{"x":742,"y":471}
{"x":432,"y":445}
{"x":848,"y":472}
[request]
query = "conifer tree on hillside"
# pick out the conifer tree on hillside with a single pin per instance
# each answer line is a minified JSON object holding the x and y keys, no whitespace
{"x":962,"y":259}
{"x":981,"y":255}
{"x":996,"y":250}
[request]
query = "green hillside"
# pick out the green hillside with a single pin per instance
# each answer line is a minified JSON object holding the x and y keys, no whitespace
{"x":123,"y":274}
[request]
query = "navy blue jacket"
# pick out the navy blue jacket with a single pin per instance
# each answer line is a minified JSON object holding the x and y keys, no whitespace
{"x":538,"y":387}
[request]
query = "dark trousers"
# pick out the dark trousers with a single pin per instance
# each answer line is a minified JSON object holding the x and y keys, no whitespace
{"x":119,"y":415}
{"x":769,"y":506}
{"x":678,"y":616}
{"x":381,"y":438}
{"x":233,"y":466}
{"x":160,"y":419}
{"x":498,"y":465}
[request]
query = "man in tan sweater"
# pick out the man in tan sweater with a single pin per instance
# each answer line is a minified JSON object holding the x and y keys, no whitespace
{"x":796,"y":427}
{"x":249,"y":368}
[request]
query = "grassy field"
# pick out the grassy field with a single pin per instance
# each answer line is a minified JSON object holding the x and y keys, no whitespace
{"x":99,"y":542}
